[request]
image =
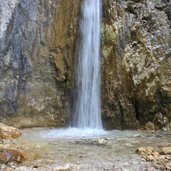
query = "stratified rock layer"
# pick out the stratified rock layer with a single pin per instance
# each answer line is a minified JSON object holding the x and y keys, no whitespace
{"x":136,"y":63}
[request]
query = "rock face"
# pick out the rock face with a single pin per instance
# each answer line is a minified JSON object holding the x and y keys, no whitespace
{"x":36,"y":52}
{"x":136,"y":63}
{"x":37,"y":49}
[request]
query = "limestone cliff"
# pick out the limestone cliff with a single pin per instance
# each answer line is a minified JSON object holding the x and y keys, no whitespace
{"x":36,"y":51}
{"x":137,"y":63}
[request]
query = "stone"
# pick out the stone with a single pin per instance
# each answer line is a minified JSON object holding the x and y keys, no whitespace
{"x":145,"y":150}
{"x":168,"y":157}
{"x":165,"y":145}
{"x":155,"y":154}
{"x":149,"y":157}
{"x":162,"y":157}
{"x":98,"y":142}
{"x":101,"y":142}
{"x":165,"y":150}
{"x":148,"y":153}
{"x":168,"y":165}
{"x":161,"y":120}
{"x":149,"y":126}
{"x":168,"y":126}
{"x":7,"y":132}
{"x":137,"y":135}
{"x":9,"y":156}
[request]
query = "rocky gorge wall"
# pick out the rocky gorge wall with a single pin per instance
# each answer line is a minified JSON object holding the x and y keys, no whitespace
{"x":136,"y":65}
{"x":37,"y":50}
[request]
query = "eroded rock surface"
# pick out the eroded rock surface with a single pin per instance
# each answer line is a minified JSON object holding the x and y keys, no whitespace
{"x":137,"y":63}
{"x":36,"y":52}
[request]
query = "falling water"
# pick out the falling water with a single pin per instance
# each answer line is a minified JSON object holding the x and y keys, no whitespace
{"x":86,"y":112}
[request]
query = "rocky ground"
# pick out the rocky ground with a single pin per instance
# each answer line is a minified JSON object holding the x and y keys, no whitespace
{"x":50,"y":149}
{"x":160,"y":157}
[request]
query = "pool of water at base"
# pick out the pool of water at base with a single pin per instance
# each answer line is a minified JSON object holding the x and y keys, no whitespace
{"x":114,"y":152}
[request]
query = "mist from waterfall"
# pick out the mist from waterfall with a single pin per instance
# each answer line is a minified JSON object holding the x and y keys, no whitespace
{"x":86,"y":111}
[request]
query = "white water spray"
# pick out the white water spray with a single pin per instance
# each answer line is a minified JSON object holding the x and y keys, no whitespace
{"x":86,"y":112}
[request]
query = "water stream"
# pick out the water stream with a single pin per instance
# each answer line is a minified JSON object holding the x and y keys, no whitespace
{"x":86,"y":111}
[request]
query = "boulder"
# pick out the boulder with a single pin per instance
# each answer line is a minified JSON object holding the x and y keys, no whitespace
{"x":7,"y":132}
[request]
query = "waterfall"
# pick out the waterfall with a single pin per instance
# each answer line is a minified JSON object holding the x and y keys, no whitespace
{"x":86,"y":110}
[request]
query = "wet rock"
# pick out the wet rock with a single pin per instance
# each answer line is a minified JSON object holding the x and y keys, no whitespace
{"x":161,"y":120}
{"x":168,"y":165}
{"x":161,"y":4}
{"x":137,"y":135}
{"x":9,"y":156}
{"x":22,"y":168}
{"x":7,"y":132}
{"x":98,"y":142}
{"x":101,"y":142}
{"x":143,"y":150}
{"x":41,"y":163}
{"x":165,"y":150}
{"x":165,"y":145}
{"x":149,"y":126}
{"x":168,"y":127}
